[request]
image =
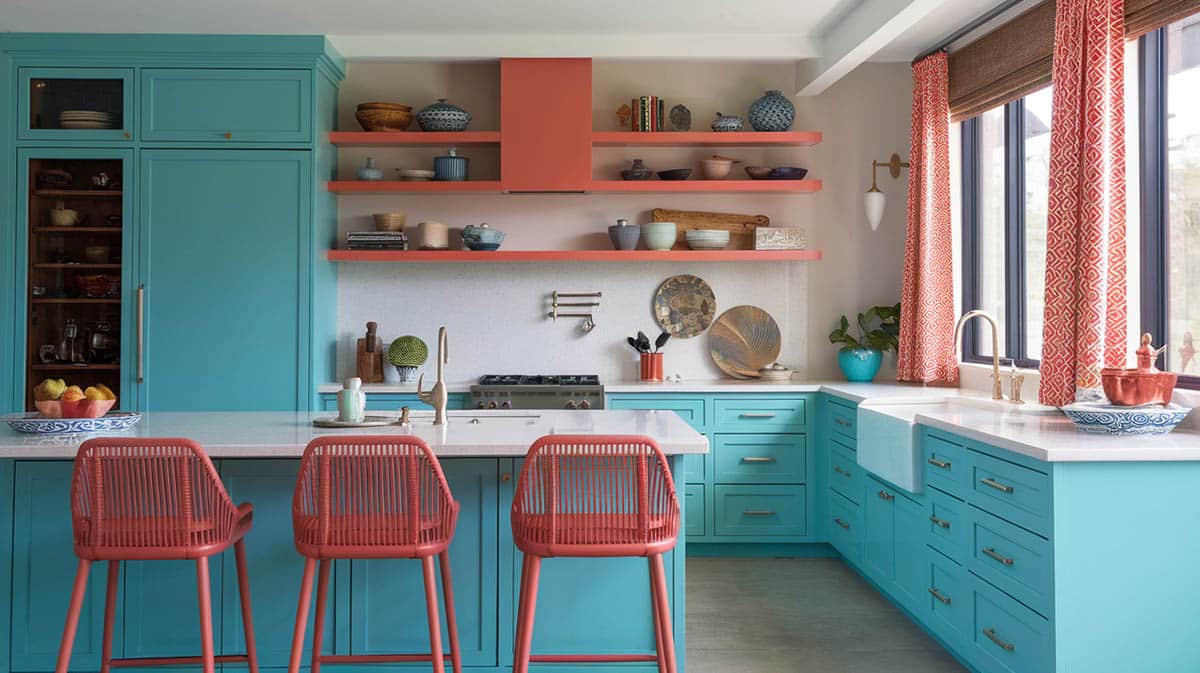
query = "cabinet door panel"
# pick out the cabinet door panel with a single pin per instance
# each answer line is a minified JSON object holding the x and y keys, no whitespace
{"x":162,"y":613}
{"x":693,"y":507}
{"x":879,"y":533}
{"x":388,"y":613}
{"x":222,"y":235}
{"x":911,"y":556}
{"x":226,"y":105}
{"x":44,"y":565}
{"x":557,"y":132}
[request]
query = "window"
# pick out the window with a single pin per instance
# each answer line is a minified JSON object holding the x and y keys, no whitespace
{"x":1006,"y":182}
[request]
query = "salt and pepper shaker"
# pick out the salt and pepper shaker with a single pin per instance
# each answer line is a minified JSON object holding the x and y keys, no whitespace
{"x":352,"y":401}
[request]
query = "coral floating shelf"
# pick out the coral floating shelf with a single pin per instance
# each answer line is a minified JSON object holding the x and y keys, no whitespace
{"x":705,"y":138}
{"x":574,"y":256}
{"x":668,"y":186}
{"x":412,"y":138}
{"x":416,"y":187}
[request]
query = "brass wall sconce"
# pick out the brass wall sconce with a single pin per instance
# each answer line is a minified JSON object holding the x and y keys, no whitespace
{"x":874,"y":199}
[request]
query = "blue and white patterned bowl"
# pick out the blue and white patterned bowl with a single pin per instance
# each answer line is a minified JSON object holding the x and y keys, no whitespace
{"x":36,"y":423}
{"x":1110,"y":419}
{"x":443,"y":116}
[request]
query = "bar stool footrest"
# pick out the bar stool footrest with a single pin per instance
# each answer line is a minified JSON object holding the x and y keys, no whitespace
{"x":589,"y":658}
{"x":377,"y":658}
{"x":172,"y":661}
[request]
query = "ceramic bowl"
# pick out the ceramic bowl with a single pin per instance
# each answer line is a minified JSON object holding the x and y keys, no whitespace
{"x":84,"y":408}
{"x":482,"y":237}
{"x":659,"y":235}
{"x":675,"y":174}
{"x":706,"y":239}
{"x":64,"y":217}
{"x":383,"y":116}
{"x":758,"y":172}
{"x":624,"y":237}
{"x":1109,"y":419}
{"x":788,"y":173}
{"x":390,"y":221}
{"x":716,"y":168}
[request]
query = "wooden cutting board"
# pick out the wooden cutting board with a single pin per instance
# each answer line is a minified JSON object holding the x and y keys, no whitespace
{"x":740,"y":227}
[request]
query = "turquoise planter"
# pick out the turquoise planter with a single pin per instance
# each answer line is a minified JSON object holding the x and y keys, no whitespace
{"x":860,"y":365}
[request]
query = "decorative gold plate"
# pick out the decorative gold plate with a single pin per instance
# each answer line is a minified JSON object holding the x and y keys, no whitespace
{"x":684,"y":306}
{"x":744,"y":340}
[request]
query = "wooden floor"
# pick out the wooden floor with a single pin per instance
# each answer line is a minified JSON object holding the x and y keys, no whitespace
{"x":798,"y":616}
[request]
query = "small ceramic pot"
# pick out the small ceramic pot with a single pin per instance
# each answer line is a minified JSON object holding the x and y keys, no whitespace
{"x":406,"y":374}
{"x":450,"y":167}
{"x":61,"y":216}
{"x":369,"y":171}
{"x":727,"y":123}
{"x":772,"y":112}
{"x":659,"y":235}
{"x":433,"y":236}
{"x":482,"y":237}
{"x":442,"y":116}
{"x":624,"y":236}
{"x":716,"y":168}
{"x":637,"y":171}
{"x":860,"y":365}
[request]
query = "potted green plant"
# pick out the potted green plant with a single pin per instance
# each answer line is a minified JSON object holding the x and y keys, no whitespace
{"x":407,"y":354}
{"x":861,"y":355}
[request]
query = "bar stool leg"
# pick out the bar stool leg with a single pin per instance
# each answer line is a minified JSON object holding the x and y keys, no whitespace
{"x":451,"y":618}
{"x":110,"y":609}
{"x":203,"y":590}
{"x":73,"y":610}
{"x":519,"y":638}
{"x":664,"y":611}
{"x":319,"y":616}
{"x":310,"y":567}
{"x":431,"y":608}
{"x":529,"y":589}
{"x":658,"y":634}
{"x":239,"y":552}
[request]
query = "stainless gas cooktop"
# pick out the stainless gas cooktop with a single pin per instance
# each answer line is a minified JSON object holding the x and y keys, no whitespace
{"x":538,"y":391}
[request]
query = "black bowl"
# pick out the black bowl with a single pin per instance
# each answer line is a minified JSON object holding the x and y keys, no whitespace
{"x":788,"y":173}
{"x":675,"y":174}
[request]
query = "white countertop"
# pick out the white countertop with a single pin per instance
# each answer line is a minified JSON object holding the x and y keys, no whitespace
{"x":402,"y":388}
{"x":281,"y":434}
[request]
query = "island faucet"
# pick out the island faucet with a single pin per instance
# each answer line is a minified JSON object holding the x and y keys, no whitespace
{"x":437,"y":397}
{"x":997,"y":389}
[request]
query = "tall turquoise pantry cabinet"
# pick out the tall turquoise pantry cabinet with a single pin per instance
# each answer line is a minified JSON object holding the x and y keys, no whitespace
{"x":225,"y":300}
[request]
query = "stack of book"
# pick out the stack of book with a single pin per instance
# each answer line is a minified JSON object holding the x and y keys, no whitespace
{"x":377,"y":240}
{"x":647,"y":113}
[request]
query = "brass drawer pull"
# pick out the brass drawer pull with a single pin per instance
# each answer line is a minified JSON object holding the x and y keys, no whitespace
{"x":991,"y":635}
{"x":839,"y":470}
{"x":842,"y":422}
{"x":1003,"y":488}
{"x":939,"y":595}
{"x":943,"y":464}
{"x":941,"y":522}
{"x":991,"y":551}
{"x":843,"y":524}
{"x":758,"y":512}
{"x":761,"y":416}
{"x":884,"y":495}
{"x":758,"y":459}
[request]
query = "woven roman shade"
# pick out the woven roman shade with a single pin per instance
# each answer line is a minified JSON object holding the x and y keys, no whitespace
{"x":1014,"y":60}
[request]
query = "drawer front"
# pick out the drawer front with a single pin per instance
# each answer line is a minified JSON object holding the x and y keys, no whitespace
{"x":694,"y":467}
{"x":949,"y":528}
{"x":226,"y":106}
{"x":690,"y":409}
{"x":1013,"y":559}
{"x":946,"y":466}
{"x":1008,"y":636}
{"x":760,"y":414}
{"x":766,"y":511}
{"x":845,"y":476}
{"x":842,"y":419}
{"x":845,"y":527}
{"x":1011,"y":492}
{"x":759,"y":459}
{"x":949,"y":600}
{"x":693,"y":510}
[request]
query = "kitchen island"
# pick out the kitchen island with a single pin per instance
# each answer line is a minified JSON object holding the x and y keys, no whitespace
{"x":592,"y":606}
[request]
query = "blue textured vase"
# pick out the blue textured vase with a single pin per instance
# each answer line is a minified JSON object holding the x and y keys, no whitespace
{"x":772,"y":112}
{"x":860,"y":365}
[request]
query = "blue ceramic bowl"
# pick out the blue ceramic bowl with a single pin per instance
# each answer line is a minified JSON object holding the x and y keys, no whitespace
{"x":659,"y":235}
{"x":1110,"y":419}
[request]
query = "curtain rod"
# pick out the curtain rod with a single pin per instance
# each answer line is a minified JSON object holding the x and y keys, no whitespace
{"x":969,"y":28}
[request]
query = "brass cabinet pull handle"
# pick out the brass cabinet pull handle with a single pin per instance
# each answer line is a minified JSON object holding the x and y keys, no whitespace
{"x":943,"y":464}
{"x":1003,"y":488}
{"x":756,"y":415}
{"x":841,"y":523}
{"x":141,"y":333}
{"x":939,"y":595}
{"x":228,"y":136}
{"x":991,"y":551}
{"x":506,"y":477}
{"x":884,"y":495}
{"x":758,"y":512}
{"x":941,"y":522}
{"x":991,"y":635}
{"x":842,"y":422}
{"x":126,"y":135}
{"x":758,"y":459}
{"x":839,"y":470}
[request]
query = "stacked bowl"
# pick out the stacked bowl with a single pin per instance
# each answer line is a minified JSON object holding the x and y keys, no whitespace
{"x":85,"y":119}
{"x":707,"y":239}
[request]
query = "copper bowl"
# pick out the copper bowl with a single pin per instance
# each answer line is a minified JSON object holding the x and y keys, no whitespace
{"x":1132,"y":388}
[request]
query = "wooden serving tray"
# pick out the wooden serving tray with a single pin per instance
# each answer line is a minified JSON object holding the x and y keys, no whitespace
{"x":740,"y":227}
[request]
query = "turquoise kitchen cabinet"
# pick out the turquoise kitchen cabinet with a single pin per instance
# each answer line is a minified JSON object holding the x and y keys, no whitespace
{"x":879,"y":532}
{"x":388,"y":613}
{"x":44,"y":94}
{"x":759,"y":459}
{"x":221,"y":274}
{"x":160,"y":611}
{"x":694,"y":515}
{"x":845,"y":528}
{"x":226,"y":105}
{"x":694,"y":410}
{"x":393,"y":401}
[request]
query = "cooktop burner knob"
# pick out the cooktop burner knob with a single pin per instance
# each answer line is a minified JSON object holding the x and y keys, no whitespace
{"x":492,"y":404}
{"x":584,"y":404}
{"x":506,"y":404}
{"x":571,"y":405}
{"x":481,"y":405}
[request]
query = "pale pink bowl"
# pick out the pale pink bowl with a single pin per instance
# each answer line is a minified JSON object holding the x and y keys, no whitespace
{"x":78,"y":409}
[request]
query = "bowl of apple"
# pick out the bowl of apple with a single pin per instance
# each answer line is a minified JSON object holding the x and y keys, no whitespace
{"x":55,"y":399}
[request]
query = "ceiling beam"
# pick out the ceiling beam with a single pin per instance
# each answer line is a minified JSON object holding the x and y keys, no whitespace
{"x":869,"y":27}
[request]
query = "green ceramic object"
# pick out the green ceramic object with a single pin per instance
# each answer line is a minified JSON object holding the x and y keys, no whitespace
{"x":408,"y":351}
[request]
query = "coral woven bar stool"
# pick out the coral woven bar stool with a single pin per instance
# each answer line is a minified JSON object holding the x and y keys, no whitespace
{"x":154,"y":499}
{"x":371,"y":497}
{"x":595,"y":495}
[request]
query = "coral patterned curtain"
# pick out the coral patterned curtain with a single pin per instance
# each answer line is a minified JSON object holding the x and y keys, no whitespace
{"x":926,"y":352}
{"x":1085,"y":317}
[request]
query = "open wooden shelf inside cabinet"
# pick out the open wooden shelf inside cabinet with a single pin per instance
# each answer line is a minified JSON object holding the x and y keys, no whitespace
{"x":78,"y":193}
{"x":74,"y":300}
{"x":77,"y":230}
{"x":70,"y":367}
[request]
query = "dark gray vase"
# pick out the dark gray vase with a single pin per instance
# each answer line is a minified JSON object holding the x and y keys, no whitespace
{"x":772,"y":112}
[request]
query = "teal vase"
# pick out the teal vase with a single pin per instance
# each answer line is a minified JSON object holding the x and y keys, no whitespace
{"x":860,"y":365}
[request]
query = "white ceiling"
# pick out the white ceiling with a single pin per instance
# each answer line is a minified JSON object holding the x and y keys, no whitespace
{"x":834,"y":34}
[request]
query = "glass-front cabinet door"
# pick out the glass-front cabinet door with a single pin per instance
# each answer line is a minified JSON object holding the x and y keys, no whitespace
{"x":75,"y":104}
{"x":77,"y":280}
